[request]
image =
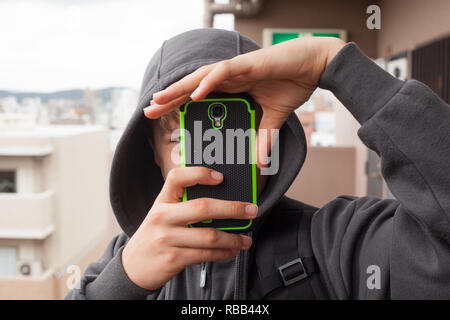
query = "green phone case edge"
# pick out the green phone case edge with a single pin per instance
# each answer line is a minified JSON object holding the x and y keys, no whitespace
{"x":253,"y":140}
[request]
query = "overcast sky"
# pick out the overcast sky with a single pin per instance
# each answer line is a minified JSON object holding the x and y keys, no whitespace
{"x":61,"y":44}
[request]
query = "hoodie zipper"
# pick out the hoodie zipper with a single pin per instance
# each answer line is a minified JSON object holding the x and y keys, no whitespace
{"x":205,"y":283}
{"x":240,"y":263}
{"x":239,"y":285}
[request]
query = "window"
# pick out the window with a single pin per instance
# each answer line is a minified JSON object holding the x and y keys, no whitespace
{"x":430,"y":65}
{"x":8,"y":262}
{"x":8,"y":181}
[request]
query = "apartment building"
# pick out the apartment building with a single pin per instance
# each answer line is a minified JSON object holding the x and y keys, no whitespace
{"x":54,"y":208}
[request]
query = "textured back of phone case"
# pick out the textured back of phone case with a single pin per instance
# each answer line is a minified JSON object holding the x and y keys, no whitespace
{"x":235,"y":160}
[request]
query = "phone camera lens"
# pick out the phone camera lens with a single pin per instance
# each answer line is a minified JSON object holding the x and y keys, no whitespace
{"x":217,"y":111}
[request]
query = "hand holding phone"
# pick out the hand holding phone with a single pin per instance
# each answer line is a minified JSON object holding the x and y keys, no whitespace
{"x":161,"y":248}
{"x":218,"y":132}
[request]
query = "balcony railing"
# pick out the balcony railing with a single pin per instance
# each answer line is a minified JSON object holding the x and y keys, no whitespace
{"x":26,"y":216}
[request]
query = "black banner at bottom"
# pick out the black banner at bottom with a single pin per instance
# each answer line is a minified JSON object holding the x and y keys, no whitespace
{"x":216,"y":309}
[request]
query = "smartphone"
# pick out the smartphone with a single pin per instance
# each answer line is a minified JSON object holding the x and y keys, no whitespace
{"x":218,"y":132}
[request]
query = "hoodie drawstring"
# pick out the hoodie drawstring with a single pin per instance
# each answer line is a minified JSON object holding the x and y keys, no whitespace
{"x":203,"y":275}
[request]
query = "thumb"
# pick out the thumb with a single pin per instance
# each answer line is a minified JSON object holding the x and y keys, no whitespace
{"x":268,"y":130}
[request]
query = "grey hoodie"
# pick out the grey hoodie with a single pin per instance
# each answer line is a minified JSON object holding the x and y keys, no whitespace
{"x":407,"y":240}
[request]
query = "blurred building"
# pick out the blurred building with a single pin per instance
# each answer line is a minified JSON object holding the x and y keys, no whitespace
{"x":109,"y":107}
{"x":54,"y":206}
{"x":307,"y":120}
{"x":123,"y":102}
{"x":413,"y":42}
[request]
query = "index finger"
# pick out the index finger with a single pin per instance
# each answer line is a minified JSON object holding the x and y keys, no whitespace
{"x":175,"y":95}
{"x":184,"y":86}
{"x":182,"y":177}
{"x":200,"y":209}
{"x":222,"y":71}
{"x":197,"y":84}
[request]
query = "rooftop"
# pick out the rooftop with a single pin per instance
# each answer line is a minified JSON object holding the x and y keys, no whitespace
{"x":36,"y":141}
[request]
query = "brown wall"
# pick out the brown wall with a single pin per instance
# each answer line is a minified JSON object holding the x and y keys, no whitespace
{"x":326,"y":174}
{"x":408,"y":23}
{"x":47,"y":286}
{"x":405,"y":24}
{"x":344,"y":14}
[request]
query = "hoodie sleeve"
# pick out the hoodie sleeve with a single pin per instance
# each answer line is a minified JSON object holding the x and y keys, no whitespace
{"x":105,"y":279}
{"x":369,"y":248}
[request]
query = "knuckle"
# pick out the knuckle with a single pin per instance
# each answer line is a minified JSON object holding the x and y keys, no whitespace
{"x":174,"y":103}
{"x":236,"y":242}
{"x":225,"y":64}
{"x":201,"y":205}
{"x":205,"y":254}
{"x":171,"y":175}
{"x":224,"y":254}
{"x":162,"y":239}
{"x":170,"y":258}
{"x":155,"y":216}
{"x":212,"y":236}
{"x":236,"y":208}
{"x":185,"y":88}
{"x":178,"y":85}
{"x":203,"y":69}
{"x":205,"y":172}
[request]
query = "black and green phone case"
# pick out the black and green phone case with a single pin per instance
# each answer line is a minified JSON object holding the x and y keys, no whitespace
{"x":239,"y":182}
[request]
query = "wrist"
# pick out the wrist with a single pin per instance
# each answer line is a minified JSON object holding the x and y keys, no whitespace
{"x":322,"y":52}
{"x":133,"y":270}
{"x":125,"y":260}
{"x":333,"y":46}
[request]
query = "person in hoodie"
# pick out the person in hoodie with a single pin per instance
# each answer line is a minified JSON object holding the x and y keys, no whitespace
{"x":407,"y":239}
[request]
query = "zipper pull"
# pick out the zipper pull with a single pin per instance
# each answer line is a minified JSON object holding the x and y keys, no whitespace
{"x":203,"y":275}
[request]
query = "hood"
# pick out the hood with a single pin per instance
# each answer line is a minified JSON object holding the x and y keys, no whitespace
{"x":135,"y":179}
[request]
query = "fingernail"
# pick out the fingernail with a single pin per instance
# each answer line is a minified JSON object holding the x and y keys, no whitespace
{"x":146,"y":109}
{"x":251,"y":210}
{"x":246,"y":242}
{"x":152,"y":102}
{"x":195,"y":93}
{"x":216,"y":175}
{"x":262,"y":163}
